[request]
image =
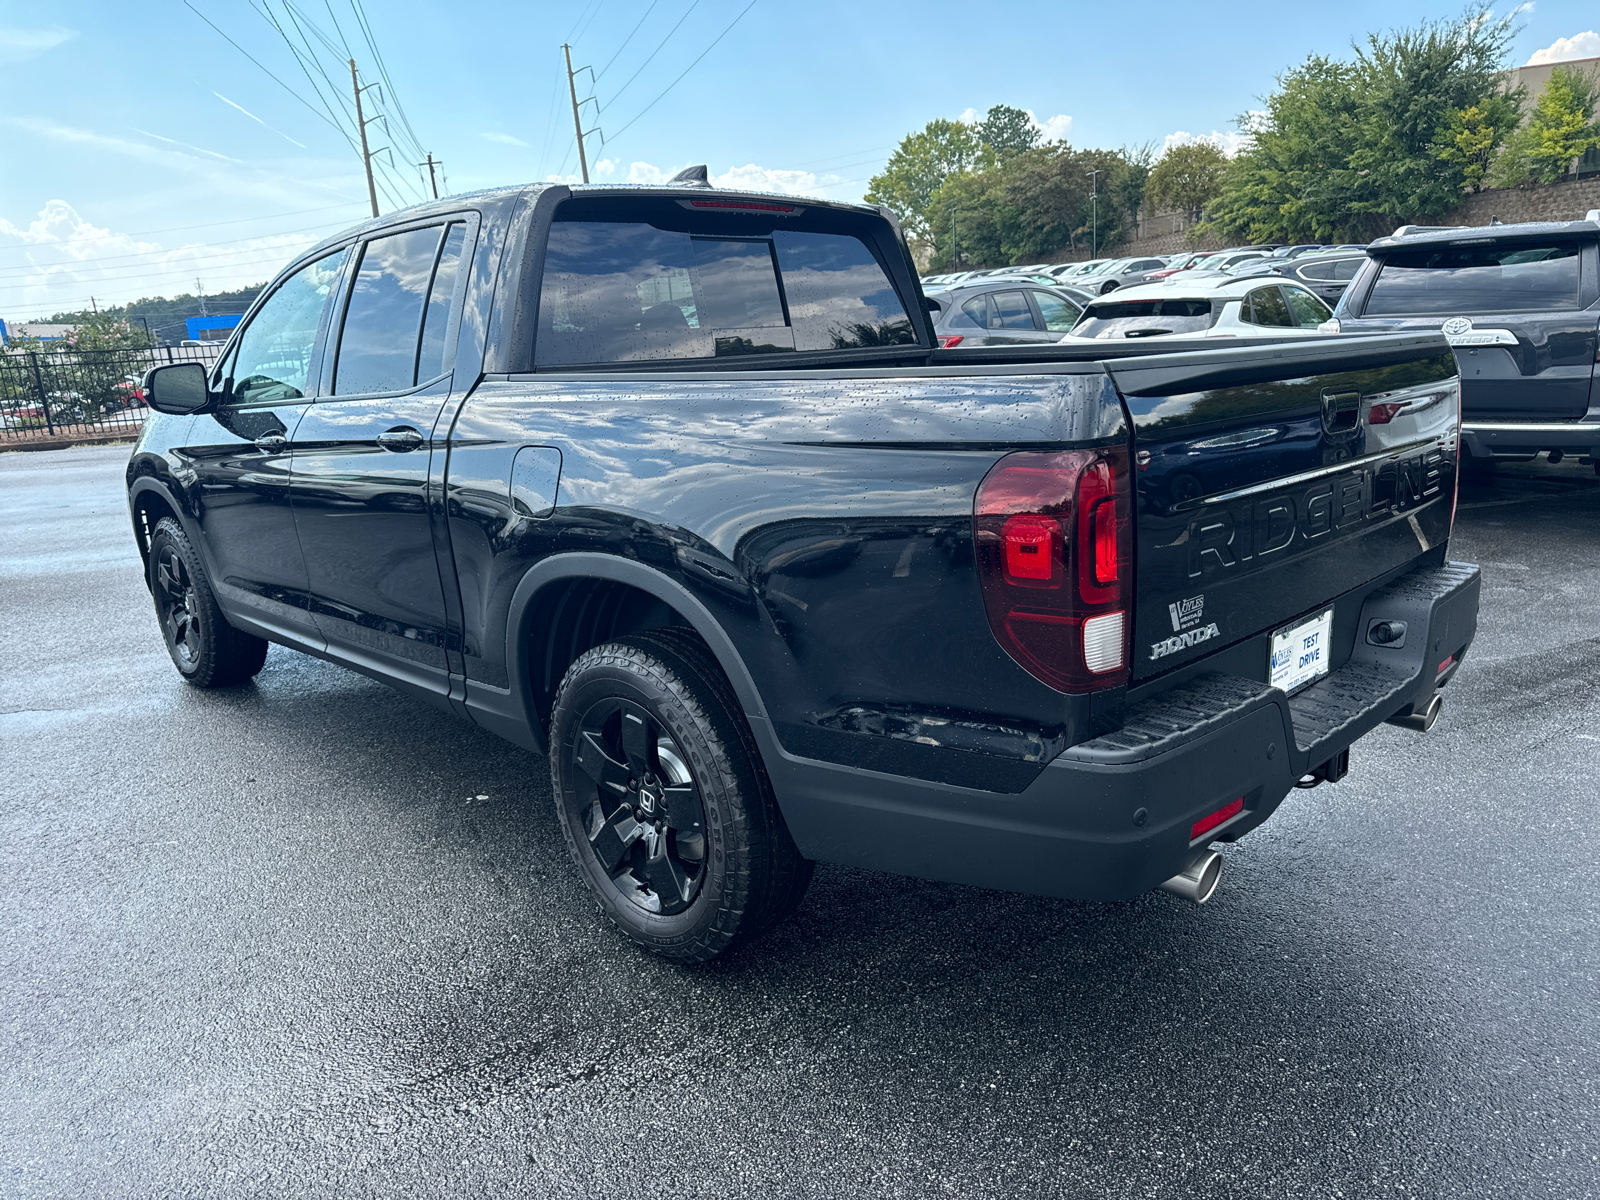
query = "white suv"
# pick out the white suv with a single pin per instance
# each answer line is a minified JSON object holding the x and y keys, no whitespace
{"x":1205,"y":308}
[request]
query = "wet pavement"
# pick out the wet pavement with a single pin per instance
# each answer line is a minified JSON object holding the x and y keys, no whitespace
{"x":311,"y":938}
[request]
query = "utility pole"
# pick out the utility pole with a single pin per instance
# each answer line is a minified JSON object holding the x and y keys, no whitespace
{"x":94,"y":306}
{"x":366,"y":155}
{"x":955,"y":246}
{"x":577,"y":122}
{"x":434,"y":183}
{"x":201,"y":292}
{"x":1094,"y":212}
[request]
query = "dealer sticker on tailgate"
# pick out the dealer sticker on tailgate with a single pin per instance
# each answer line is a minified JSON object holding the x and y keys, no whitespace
{"x":1300,"y":652}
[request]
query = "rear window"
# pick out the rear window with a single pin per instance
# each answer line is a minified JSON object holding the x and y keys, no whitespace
{"x":1144,"y":318}
{"x":616,"y":291}
{"x":1452,"y":280}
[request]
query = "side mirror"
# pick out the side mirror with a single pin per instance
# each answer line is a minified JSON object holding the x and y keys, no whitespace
{"x":177,"y":388}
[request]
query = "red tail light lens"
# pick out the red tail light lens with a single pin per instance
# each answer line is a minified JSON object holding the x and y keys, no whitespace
{"x":949,"y":340}
{"x":1054,"y":545}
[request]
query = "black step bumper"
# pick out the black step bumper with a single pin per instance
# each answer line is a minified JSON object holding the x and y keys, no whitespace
{"x":1111,"y":818}
{"x":1485,"y":439}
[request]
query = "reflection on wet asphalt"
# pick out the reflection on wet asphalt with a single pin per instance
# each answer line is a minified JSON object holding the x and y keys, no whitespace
{"x":311,"y":938}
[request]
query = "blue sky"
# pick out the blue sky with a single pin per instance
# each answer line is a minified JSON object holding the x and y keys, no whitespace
{"x":140,"y":151}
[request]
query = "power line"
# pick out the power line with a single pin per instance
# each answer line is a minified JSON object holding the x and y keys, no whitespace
{"x":253,"y":59}
{"x":250,"y":258}
{"x":628,"y":39}
{"x":686,"y":70}
{"x":175,"y":250}
{"x":299,"y":212}
{"x":657,"y":50}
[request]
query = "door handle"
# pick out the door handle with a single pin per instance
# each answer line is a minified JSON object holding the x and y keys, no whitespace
{"x":400,"y":439}
{"x":272,"y":442}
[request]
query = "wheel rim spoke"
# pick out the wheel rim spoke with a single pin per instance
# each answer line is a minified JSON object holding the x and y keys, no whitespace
{"x":666,"y":877}
{"x":612,"y":837}
{"x":599,"y":766}
{"x":636,"y":740}
{"x":683,"y":808}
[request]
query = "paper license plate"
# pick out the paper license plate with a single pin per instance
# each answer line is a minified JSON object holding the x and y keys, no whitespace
{"x":1300,"y":652}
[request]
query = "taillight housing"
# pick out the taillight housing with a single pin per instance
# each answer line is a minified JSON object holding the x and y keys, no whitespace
{"x":949,"y":341}
{"x":1054,"y":540}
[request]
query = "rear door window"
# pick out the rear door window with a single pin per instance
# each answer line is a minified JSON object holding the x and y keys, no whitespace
{"x":383,"y":320}
{"x":1265,"y":306}
{"x":1465,"y":280}
{"x":1009,"y":310}
{"x":629,"y":292}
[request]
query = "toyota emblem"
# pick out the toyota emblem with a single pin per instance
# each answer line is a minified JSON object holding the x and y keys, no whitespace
{"x":1456,"y":326}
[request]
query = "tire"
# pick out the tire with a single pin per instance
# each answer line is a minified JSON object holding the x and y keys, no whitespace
{"x":207,"y":651}
{"x":1108,"y":287}
{"x":666,"y":808}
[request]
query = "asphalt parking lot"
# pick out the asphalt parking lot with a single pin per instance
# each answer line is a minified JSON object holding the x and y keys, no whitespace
{"x":310,"y":937}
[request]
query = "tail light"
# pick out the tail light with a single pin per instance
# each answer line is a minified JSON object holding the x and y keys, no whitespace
{"x":949,"y":340}
{"x":1460,"y":450}
{"x":1054,"y":541}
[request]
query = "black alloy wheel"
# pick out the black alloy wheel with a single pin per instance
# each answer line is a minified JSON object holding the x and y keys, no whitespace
{"x":177,"y":605}
{"x":644,"y":820}
{"x":664,"y":801}
{"x":207,"y":651}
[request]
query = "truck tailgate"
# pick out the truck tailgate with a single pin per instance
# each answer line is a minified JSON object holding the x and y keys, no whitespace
{"x":1270,"y":480}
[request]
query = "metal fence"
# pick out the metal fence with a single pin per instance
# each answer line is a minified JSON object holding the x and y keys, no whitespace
{"x":81,"y":393}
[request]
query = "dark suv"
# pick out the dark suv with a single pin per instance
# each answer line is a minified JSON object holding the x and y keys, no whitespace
{"x":1520,"y":305}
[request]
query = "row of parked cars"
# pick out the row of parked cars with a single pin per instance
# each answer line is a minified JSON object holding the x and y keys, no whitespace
{"x":1284,"y":290}
{"x":1519,"y":304}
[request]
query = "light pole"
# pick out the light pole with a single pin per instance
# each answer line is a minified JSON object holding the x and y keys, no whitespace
{"x":1094,"y":212}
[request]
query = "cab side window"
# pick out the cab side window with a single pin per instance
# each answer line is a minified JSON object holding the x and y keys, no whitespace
{"x":273,"y":357}
{"x":393,"y":335}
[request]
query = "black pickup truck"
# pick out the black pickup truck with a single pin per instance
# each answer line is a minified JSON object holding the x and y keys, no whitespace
{"x":674,"y":485}
{"x":1520,"y":304}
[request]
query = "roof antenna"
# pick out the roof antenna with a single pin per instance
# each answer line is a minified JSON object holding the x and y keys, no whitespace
{"x":692,"y":177}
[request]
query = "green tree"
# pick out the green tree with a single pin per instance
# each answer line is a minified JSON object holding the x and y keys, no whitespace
{"x":1008,"y":131}
{"x":1347,"y":147}
{"x":920,"y":167}
{"x":1411,"y":83}
{"x":1474,"y":136}
{"x":1187,"y":178}
{"x":1560,"y":129}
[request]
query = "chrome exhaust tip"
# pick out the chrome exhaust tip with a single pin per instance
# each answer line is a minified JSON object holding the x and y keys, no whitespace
{"x":1199,"y":879}
{"x":1421,"y":721}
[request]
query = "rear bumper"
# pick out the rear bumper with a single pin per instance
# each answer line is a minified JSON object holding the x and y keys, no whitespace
{"x":1485,"y":439}
{"x":1111,"y":818}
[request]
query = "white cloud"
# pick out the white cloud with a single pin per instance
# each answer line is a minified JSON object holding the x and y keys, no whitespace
{"x":606,"y":166}
{"x":505,"y":139}
{"x":18,"y":45}
{"x":60,"y":259}
{"x":1051,"y":129}
{"x":1579,"y":45}
{"x":1054,"y":129}
{"x":1230,"y":143}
